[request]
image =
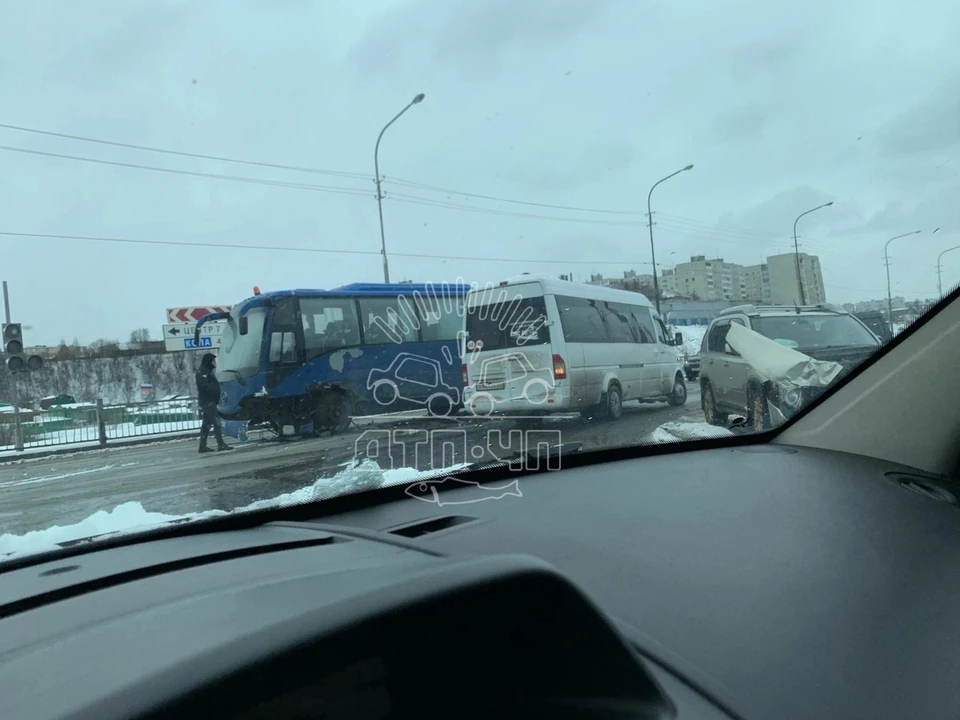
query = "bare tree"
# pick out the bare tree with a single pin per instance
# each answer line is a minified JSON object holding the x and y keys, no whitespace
{"x":139,"y":337}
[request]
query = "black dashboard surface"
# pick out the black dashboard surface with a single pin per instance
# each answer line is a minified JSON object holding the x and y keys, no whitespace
{"x":780,"y":582}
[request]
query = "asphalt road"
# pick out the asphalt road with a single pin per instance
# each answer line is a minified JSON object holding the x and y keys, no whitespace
{"x":171,"y":477}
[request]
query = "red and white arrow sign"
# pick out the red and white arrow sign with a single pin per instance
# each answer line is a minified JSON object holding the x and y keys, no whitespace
{"x":192,"y":314}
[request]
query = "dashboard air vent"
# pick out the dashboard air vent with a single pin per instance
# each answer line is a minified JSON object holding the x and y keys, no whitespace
{"x":426,"y":527}
{"x":923,"y":486}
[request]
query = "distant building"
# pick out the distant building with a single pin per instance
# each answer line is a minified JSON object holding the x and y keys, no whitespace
{"x":756,"y":284}
{"x":692,"y":312}
{"x":784,"y":289}
{"x":705,"y":279}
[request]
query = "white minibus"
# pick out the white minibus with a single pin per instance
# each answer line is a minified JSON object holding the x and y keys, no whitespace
{"x":535,"y":345}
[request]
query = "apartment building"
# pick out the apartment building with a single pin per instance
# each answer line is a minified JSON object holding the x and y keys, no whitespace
{"x":772,"y":282}
{"x":756,"y":284}
{"x":784,"y":289}
{"x":706,"y":279}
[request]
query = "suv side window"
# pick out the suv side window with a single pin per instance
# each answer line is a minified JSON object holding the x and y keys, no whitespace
{"x":726,"y":348}
{"x":716,"y":339}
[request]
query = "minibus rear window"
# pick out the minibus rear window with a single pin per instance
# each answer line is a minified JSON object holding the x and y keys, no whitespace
{"x":519,"y":322}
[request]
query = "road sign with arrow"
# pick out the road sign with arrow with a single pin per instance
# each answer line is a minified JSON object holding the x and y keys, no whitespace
{"x":181,"y":336}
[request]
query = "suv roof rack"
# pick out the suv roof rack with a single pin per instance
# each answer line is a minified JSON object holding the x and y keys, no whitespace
{"x":758,"y":309}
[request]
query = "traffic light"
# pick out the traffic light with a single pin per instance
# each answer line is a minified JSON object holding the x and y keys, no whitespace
{"x":13,"y":350}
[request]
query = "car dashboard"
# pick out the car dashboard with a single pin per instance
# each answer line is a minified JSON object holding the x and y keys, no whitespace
{"x":749,"y":581}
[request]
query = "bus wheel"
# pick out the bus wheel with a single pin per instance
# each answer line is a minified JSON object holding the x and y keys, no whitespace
{"x":332,"y":412}
{"x":440,"y":405}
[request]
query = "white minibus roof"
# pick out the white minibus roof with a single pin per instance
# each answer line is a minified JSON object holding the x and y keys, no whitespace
{"x":555,"y":286}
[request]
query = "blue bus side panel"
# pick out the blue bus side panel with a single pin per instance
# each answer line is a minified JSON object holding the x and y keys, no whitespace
{"x":417,"y":370}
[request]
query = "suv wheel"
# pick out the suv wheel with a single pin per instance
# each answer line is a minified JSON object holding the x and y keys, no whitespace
{"x":708,"y":402}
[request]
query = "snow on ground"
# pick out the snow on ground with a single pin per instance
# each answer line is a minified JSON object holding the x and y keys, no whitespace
{"x":132,"y":517}
{"x":684,"y":431}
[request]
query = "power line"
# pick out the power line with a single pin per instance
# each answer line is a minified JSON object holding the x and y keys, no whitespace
{"x":217,"y":158}
{"x":668,"y":220}
{"x":306,"y":169}
{"x":718,"y":227}
{"x":193,"y":173}
{"x":413,"y":199}
{"x":678,"y":226}
{"x":400,"y":197}
{"x":273,"y":248}
{"x":449,"y":191}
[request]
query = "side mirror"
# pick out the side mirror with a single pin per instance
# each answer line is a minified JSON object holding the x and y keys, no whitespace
{"x":244,"y":325}
{"x":678,"y":339}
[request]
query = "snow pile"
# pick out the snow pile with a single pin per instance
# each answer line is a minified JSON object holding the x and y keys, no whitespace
{"x":686,"y":431}
{"x":131,"y":517}
{"x":692,"y":337}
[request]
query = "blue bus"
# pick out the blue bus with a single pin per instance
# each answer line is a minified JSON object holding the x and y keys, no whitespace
{"x":302,"y":360}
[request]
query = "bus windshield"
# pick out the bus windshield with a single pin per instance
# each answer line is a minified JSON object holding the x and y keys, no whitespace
{"x":510,"y":324}
{"x":239,"y":355}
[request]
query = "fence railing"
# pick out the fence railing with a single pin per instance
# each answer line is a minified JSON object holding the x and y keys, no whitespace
{"x":97,"y":424}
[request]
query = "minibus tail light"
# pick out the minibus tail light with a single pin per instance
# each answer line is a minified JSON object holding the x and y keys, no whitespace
{"x":559,"y":368}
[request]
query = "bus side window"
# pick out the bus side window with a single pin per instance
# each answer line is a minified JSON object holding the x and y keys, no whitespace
{"x":440,"y":319}
{"x":328,"y":324}
{"x":388,"y":320}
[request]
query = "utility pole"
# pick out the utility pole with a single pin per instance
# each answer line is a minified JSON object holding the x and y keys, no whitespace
{"x":796,"y":250}
{"x":939,"y":283}
{"x":886,"y":261}
{"x":376,"y":169}
{"x":14,"y":389}
{"x":653,"y":253}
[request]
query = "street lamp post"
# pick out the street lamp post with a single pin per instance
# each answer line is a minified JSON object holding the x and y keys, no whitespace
{"x":939,"y":284}
{"x":653,"y":254}
{"x":796,"y":249}
{"x":886,"y":261}
{"x":376,"y":168}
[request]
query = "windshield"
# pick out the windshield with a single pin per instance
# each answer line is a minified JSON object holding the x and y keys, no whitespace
{"x":813,"y":332}
{"x":239,"y":355}
{"x":472,"y":230}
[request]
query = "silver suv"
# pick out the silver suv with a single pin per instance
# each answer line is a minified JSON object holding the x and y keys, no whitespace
{"x":729,"y":385}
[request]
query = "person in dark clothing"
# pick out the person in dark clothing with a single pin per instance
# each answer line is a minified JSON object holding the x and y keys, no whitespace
{"x":208,"y":395}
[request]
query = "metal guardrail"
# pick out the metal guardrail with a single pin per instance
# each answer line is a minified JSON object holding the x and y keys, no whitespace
{"x":97,"y":424}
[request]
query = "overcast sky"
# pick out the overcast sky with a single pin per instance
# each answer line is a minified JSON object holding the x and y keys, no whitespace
{"x":780,"y":106}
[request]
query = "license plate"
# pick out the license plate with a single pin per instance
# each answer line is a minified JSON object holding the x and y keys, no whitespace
{"x":490,"y":386}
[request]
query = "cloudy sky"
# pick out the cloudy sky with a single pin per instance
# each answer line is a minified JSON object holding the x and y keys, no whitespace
{"x":532,"y":107}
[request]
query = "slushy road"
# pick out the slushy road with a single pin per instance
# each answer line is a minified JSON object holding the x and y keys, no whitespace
{"x":171,"y":477}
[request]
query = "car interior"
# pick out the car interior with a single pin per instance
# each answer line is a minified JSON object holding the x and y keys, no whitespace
{"x":809,"y":571}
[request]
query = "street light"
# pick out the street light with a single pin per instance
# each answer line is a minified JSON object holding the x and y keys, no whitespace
{"x":886,"y":260}
{"x":653,"y":254}
{"x":796,"y":249}
{"x":376,"y":168}
{"x":939,"y":285}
